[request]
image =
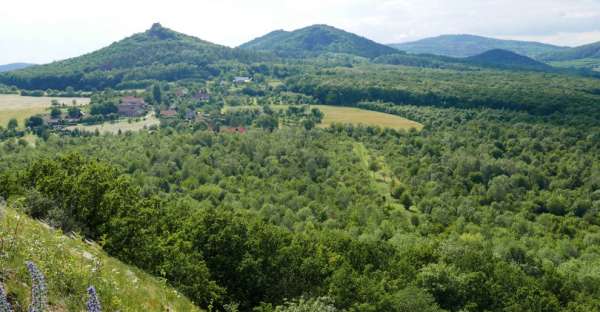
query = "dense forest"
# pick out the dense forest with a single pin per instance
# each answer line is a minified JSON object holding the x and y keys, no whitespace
{"x":375,"y":220}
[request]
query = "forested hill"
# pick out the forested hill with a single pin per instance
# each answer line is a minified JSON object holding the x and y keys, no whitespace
{"x":508,"y":60}
{"x":470,"y":45}
{"x":316,"y":40}
{"x":158,"y":53}
{"x":582,"y":52}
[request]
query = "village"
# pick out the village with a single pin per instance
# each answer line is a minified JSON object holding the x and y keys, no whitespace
{"x":169,"y":106}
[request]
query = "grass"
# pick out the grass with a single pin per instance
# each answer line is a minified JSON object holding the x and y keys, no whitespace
{"x":339,"y":114}
{"x":22,"y":107}
{"x":124,"y":125}
{"x":356,"y":116}
{"x":70,"y":266}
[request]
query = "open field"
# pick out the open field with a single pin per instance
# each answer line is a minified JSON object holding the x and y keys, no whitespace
{"x":123,"y":125}
{"x":339,"y":114}
{"x":351,"y":115}
{"x":22,"y":107}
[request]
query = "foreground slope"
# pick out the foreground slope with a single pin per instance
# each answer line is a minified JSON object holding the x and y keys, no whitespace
{"x":470,"y":45}
{"x":70,"y":266}
{"x":316,"y":40}
{"x":158,"y":53}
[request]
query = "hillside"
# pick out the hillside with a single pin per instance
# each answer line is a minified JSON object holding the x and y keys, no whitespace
{"x":470,"y":45}
{"x":507,"y":60}
{"x":588,"y":51}
{"x":14,"y":66}
{"x":158,"y":53}
{"x":70,"y":266}
{"x":316,"y":40}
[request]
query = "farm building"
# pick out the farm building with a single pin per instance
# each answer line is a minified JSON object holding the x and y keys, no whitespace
{"x":131,"y":106}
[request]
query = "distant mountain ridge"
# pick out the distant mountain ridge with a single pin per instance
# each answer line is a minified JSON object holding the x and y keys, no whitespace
{"x":471,"y":45}
{"x":588,"y":51}
{"x":14,"y":66}
{"x":156,"y":54}
{"x":316,"y":40}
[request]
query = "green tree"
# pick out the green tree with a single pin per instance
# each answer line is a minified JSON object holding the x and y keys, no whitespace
{"x":13,"y":124}
{"x":157,"y":94}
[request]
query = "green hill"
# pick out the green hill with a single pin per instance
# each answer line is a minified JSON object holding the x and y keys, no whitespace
{"x":470,"y":45}
{"x":505,"y":59}
{"x":14,"y":66}
{"x":156,"y":54}
{"x":70,"y":266}
{"x":588,"y":51}
{"x":316,"y":40}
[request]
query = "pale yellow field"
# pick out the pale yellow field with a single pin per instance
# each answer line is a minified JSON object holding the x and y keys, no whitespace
{"x":338,"y":114}
{"x":22,"y":107}
{"x":350,"y":115}
{"x":123,"y":125}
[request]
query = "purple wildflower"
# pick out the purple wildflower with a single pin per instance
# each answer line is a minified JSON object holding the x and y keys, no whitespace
{"x":93,"y":304}
{"x":4,"y":305}
{"x":39,"y":292}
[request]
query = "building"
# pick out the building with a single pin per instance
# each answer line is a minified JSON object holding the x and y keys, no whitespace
{"x":202,"y":96}
{"x":190,"y":114}
{"x":240,"y":130}
{"x":169,"y":113}
{"x":242,"y":80}
{"x":132,"y":106}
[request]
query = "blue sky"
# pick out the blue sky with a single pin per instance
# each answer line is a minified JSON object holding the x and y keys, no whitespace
{"x":42,"y":31}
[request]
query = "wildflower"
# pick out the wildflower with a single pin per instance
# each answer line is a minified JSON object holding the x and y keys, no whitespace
{"x":4,"y":305}
{"x":39,"y":292}
{"x":93,"y":304}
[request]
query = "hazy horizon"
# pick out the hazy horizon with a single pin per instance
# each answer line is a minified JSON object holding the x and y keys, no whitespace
{"x":63,"y":29}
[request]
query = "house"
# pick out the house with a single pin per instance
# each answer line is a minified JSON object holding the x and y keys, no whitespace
{"x":240,"y":130}
{"x":132,"y":106}
{"x":240,"y":80}
{"x":202,"y":96}
{"x":181,"y":92}
{"x":169,"y":113}
{"x":190,"y":114}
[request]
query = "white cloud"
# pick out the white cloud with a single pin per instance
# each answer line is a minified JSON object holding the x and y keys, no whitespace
{"x":42,"y":31}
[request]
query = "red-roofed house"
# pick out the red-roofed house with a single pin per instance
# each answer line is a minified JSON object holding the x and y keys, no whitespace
{"x":132,"y":106}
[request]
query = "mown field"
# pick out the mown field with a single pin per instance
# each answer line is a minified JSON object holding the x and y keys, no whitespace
{"x":123,"y":125}
{"x":355,"y":116}
{"x":339,"y":114}
{"x":22,"y":107}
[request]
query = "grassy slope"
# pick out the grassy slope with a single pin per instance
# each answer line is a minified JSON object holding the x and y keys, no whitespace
{"x":70,"y":266}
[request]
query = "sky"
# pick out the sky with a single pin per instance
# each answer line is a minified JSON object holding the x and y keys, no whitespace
{"x":43,"y":31}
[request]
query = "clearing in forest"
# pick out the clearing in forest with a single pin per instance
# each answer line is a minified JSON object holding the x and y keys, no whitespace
{"x":124,"y":125}
{"x":23,"y":107}
{"x":351,"y":115}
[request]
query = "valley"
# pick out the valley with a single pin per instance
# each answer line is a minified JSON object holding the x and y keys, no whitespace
{"x":305,"y":170}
